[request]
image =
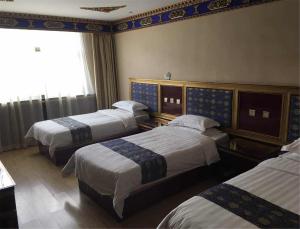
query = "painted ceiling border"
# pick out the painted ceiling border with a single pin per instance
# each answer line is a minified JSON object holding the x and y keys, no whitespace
{"x":181,"y":11}
{"x":43,"y":22}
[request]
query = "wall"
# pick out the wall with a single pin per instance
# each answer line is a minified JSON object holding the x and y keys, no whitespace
{"x":258,"y":44}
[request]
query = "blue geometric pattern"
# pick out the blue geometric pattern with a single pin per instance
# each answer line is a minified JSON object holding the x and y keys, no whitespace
{"x":80,"y":132}
{"x":153,"y":165}
{"x":184,"y":12}
{"x":17,"y":21}
{"x":146,"y":94}
{"x":294,"y":118}
{"x":212,"y":103}
{"x":252,"y":208}
{"x":179,"y":12}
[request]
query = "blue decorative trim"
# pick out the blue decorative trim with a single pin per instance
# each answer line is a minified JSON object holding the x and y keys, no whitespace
{"x":251,"y":208}
{"x":211,"y":103}
{"x":37,"y":22}
{"x":184,"y":12}
{"x":294,"y":118}
{"x":146,"y":94}
{"x":81,"y":133}
{"x":153,"y":166}
{"x":181,"y":11}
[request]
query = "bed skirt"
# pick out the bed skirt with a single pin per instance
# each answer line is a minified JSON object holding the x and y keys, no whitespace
{"x":141,"y":199}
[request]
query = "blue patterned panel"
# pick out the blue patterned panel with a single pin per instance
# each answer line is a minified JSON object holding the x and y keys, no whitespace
{"x":294,"y":118}
{"x":146,"y":94}
{"x":251,"y":208}
{"x":182,"y":12}
{"x":153,"y":165}
{"x":211,"y":103}
{"x":80,"y":132}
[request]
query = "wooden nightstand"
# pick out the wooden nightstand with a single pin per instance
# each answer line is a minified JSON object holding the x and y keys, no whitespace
{"x":8,"y":212}
{"x":239,"y":155}
{"x":151,"y":123}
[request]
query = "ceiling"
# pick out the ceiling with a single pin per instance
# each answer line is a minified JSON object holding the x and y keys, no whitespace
{"x":71,"y":8}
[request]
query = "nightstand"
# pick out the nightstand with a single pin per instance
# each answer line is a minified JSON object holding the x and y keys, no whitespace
{"x":8,"y":212}
{"x":239,"y":155}
{"x":151,"y":123}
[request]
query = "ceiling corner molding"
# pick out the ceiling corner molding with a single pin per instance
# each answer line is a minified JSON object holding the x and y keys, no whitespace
{"x":43,"y":22}
{"x":181,"y":11}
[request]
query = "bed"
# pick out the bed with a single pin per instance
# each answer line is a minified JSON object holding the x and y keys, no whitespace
{"x":114,"y":171}
{"x":59,"y":138}
{"x":268,"y":196}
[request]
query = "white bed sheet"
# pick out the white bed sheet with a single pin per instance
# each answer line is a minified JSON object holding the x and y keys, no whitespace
{"x":110,"y":173}
{"x":103,"y":123}
{"x":275,"y":180}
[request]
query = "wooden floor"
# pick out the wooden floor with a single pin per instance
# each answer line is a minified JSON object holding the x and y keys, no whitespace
{"x":45,"y":199}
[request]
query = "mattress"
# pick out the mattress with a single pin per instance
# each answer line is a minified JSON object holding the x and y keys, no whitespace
{"x":110,"y":173}
{"x":274,"y":182}
{"x":102,"y":124}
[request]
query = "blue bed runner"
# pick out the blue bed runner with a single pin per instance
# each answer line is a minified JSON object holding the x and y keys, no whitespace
{"x":153,"y":165}
{"x":254,"y":209}
{"x":80,"y":132}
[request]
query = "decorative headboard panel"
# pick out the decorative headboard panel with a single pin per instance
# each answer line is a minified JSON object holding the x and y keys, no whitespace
{"x":212,"y":103}
{"x":260,"y":112}
{"x":146,"y":94}
{"x":294,"y":118}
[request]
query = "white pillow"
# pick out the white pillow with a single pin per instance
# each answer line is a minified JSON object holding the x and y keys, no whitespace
{"x":130,"y":106}
{"x":293,"y":147}
{"x":200,"y":123}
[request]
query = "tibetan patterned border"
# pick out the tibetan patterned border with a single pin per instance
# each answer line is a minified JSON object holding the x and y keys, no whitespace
{"x":146,"y":94}
{"x":294,"y":118}
{"x":212,"y":103}
{"x":39,"y":22}
{"x":181,"y":12}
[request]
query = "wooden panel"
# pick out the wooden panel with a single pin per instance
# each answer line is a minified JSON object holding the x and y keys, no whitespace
{"x":173,"y":95}
{"x":262,"y":130}
{"x":260,"y":103}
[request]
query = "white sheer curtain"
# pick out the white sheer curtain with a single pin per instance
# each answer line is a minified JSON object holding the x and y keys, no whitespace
{"x":36,"y":65}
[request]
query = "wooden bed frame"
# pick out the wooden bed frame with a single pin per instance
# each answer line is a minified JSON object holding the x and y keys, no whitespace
{"x":152,"y":194}
{"x":62,"y":155}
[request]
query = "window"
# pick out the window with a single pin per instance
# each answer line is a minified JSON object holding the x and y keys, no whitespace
{"x":35,"y":63}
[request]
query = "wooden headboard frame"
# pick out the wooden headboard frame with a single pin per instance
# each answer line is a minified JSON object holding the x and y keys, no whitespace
{"x":285,"y":91}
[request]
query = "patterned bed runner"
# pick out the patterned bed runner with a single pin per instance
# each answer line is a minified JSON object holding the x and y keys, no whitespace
{"x":254,"y":209}
{"x":153,"y":165}
{"x":80,"y":132}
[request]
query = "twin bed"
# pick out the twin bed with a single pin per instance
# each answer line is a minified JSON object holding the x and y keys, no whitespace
{"x":265,"y":197}
{"x":60,"y":138}
{"x":120,"y":167}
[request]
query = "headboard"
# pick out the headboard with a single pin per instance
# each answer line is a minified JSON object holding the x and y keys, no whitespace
{"x":145,"y":93}
{"x":212,"y":103}
{"x":264,"y":113}
{"x":294,"y":118}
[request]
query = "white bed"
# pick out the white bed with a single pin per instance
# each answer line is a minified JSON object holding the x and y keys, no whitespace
{"x":112,"y":174}
{"x":275,"y":180}
{"x":103,"y":124}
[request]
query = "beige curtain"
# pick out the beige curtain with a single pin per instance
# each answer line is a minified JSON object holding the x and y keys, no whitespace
{"x":99,"y":53}
{"x":15,"y":120}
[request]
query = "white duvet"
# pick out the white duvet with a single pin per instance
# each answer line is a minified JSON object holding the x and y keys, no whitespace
{"x":110,"y":173}
{"x":275,"y":180}
{"x":103,"y":124}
